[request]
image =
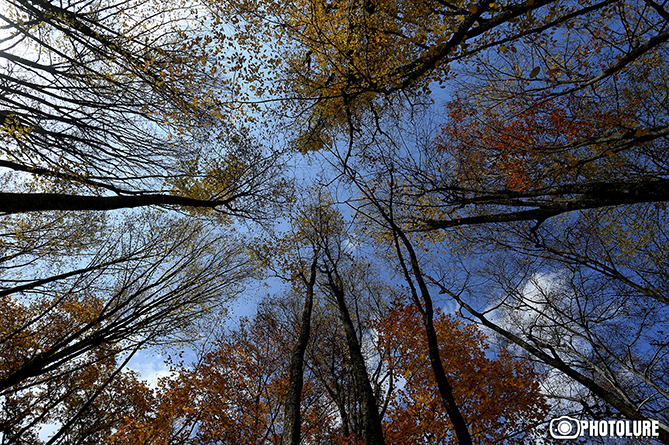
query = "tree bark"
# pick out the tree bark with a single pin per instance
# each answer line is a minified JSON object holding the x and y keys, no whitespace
{"x":586,"y":196}
{"x":38,"y":202}
{"x":427,"y":312}
{"x":372,"y":427}
{"x":292,"y":417}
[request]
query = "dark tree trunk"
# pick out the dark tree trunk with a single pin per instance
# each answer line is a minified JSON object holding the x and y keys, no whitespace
{"x":292,"y":417}
{"x":372,"y":428}
{"x":552,"y":201}
{"x":426,"y":310}
{"x":36,"y":202}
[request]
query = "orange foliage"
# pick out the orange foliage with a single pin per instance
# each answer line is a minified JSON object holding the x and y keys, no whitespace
{"x":235,"y":395}
{"x":499,"y":397}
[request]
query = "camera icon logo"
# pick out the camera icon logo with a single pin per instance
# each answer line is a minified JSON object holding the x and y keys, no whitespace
{"x":565,"y":427}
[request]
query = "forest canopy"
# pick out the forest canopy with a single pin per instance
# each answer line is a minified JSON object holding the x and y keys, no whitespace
{"x":446,"y":220}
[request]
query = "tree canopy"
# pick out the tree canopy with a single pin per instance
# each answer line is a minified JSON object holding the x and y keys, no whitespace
{"x":458,"y":208}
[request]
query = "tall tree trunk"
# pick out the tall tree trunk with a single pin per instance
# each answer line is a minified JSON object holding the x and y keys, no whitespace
{"x":292,"y":416}
{"x":372,"y":428}
{"x":427,"y":312}
{"x":425,"y":309}
{"x":39,"y":202}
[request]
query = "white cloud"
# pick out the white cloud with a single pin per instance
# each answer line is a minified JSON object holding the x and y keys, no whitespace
{"x":542,"y":310}
{"x":151,"y":367}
